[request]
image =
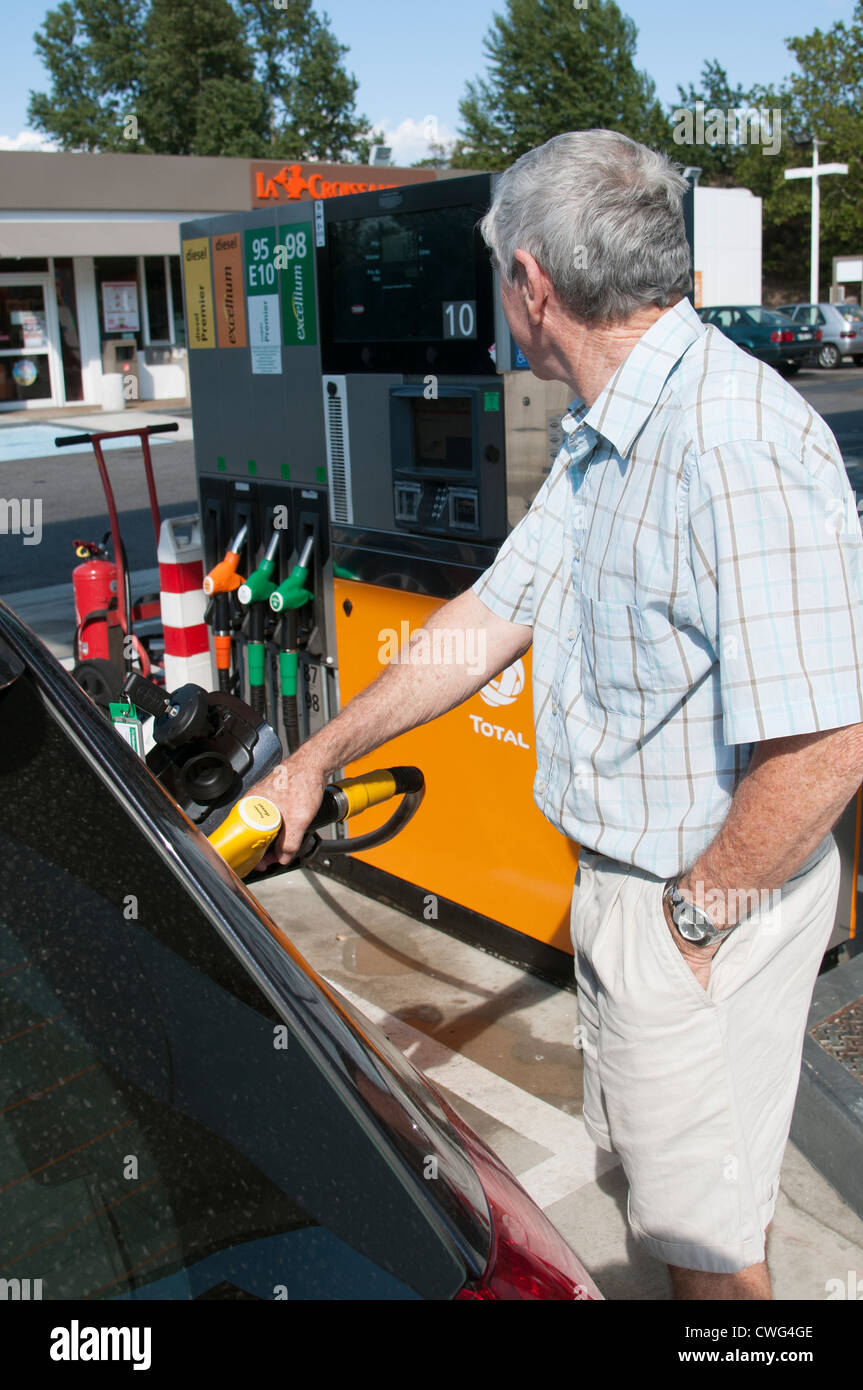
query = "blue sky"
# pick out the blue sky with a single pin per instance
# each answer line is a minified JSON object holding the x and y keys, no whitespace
{"x":413,"y":58}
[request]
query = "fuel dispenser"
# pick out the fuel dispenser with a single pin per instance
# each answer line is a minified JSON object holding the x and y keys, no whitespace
{"x":255,"y":374}
{"x":357,"y":394}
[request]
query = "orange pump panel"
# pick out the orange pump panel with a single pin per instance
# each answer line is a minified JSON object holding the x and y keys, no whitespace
{"x":478,"y":837}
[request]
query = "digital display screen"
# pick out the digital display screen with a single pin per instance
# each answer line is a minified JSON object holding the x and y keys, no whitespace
{"x":404,"y":277}
{"x":443,"y":434}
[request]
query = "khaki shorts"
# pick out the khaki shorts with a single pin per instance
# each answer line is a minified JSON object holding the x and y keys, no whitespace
{"x":693,"y":1088}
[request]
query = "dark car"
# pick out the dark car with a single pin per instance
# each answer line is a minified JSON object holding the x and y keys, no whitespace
{"x":188,"y":1110}
{"x":765,"y":333}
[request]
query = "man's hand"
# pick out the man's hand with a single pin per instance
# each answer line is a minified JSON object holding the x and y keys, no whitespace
{"x":698,"y":958}
{"x":296,"y":786}
{"x":408,"y":693}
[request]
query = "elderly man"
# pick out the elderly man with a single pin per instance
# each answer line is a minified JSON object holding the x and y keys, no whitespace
{"x":690,"y":575}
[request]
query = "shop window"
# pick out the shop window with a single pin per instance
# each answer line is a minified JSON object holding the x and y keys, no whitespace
{"x":30,"y":265}
{"x":118,"y":293}
{"x":67,"y":313}
{"x":157,"y":289}
{"x":177,"y":301}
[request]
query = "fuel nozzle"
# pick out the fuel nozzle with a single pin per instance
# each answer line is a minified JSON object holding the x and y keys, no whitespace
{"x":287,"y":599}
{"x":253,"y":595}
{"x":259,"y":586}
{"x":292,"y":593}
{"x":220,"y":583}
{"x":223,"y":577}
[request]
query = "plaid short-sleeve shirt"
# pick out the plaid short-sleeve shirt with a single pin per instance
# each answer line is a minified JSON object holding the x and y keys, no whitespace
{"x":692,"y":569}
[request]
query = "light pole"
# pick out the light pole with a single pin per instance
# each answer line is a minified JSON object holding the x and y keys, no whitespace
{"x":815,"y":174}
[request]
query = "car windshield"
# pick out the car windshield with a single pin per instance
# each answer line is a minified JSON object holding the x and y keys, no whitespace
{"x":767,"y":316}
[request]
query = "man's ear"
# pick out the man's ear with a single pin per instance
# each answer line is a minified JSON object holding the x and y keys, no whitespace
{"x":533,"y":284}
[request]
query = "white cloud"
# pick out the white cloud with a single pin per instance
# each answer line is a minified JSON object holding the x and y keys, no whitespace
{"x":411,"y":139}
{"x":26,"y":140}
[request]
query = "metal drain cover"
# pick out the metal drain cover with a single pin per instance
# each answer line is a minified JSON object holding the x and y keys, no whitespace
{"x":842,"y":1036}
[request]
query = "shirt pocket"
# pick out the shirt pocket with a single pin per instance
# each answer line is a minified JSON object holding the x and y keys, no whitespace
{"x":617,"y":672}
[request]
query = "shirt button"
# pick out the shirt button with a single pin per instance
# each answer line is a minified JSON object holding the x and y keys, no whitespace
{"x":577,"y":553}
{"x":540,"y":786}
{"x":554,"y":707}
{"x":571,"y":635}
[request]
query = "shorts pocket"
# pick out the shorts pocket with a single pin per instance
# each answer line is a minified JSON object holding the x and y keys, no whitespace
{"x":677,"y":966}
{"x":616,"y":666}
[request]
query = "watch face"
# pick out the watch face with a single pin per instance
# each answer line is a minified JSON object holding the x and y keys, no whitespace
{"x":689,"y":928}
{"x":690,"y":921}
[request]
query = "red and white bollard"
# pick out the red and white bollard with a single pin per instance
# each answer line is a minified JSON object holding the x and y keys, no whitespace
{"x":181,"y":576}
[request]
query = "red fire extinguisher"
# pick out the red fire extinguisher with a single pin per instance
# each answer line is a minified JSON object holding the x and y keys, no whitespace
{"x":94,"y":586}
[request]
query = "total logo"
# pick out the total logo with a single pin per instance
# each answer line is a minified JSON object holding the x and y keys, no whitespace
{"x":503,"y":690}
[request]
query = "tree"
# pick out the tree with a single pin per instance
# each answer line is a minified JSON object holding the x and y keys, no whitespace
{"x":824,"y":100}
{"x":254,"y":78}
{"x":199,"y":94}
{"x":719,"y":161}
{"x":555,"y":67}
{"x":310,"y":96}
{"x":93,"y":51}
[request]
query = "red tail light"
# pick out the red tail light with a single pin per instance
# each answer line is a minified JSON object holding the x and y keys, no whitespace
{"x":529,"y":1259}
{"x":776,"y":336}
{"x":847,"y":335}
{"x":818,"y":335}
{"x":788,"y":335}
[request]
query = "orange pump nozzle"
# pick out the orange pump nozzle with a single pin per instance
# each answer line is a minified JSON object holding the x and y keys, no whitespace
{"x":223,"y":577}
{"x":222,"y":643}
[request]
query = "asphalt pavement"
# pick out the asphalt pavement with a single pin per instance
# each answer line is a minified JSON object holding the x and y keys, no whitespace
{"x":838,"y":397}
{"x":72,"y":506}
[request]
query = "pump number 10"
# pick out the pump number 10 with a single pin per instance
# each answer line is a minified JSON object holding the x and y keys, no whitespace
{"x":459,"y":318}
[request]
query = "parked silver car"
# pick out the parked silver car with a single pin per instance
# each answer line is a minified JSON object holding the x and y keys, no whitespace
{"x":841,"y":329}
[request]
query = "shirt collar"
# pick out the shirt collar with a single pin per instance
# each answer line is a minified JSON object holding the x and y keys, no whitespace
{"x":623,"y":406}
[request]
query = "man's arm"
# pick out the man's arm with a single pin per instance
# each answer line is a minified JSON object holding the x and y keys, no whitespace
{"x":791,"y":795}
{"x":408,"y":693}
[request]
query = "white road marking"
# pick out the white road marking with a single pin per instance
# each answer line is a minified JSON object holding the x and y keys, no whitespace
{"x":574,"y":1160}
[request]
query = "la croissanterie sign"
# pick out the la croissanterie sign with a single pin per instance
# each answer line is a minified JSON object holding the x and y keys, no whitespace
{"x":272,"y":182}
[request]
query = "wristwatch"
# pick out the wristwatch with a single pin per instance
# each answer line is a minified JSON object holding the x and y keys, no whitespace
{"x":691,"y":921}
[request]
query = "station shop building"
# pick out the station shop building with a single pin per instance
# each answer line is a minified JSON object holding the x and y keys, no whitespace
{"x":90,"y":261}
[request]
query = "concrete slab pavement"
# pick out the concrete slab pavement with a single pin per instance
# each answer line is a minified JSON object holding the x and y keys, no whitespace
{"x":499,"y":1043}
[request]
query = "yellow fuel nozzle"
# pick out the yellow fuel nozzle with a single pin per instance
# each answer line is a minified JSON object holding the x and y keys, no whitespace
{"x":246,"y":833}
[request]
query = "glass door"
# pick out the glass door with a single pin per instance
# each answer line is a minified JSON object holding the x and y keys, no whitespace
{"x":29,"y":361}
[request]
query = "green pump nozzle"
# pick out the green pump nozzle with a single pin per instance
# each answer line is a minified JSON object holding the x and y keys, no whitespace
{"x":259,"y":586}
{"x":292,"y":593}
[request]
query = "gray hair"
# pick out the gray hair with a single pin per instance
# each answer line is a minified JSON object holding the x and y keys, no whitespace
{"x":603,"y":217}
